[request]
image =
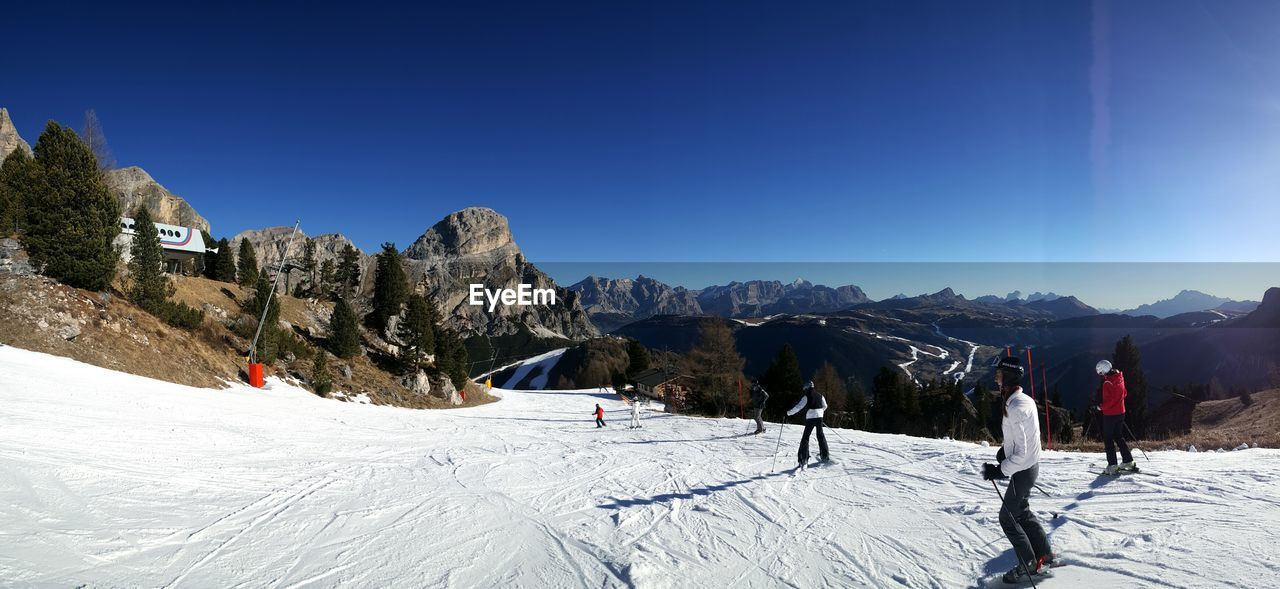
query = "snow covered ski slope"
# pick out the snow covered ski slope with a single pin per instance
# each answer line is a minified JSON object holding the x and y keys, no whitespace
{"x":112,"y":480}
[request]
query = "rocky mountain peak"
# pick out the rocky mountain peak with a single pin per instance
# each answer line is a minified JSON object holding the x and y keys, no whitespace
{"x":133,"y":186}
{"x":9,"y":138}
{"x":469,"y":232}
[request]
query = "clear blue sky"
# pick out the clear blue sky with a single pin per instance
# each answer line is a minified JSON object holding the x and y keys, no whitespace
{"x":691,"y":131}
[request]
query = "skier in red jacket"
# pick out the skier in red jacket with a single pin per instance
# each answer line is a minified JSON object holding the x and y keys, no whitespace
{"x":599,"y":413}
{"x":1112,"y":409}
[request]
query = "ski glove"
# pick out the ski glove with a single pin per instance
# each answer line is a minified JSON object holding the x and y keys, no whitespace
{"x":1000,"y":455}
{"x":991,"y":472}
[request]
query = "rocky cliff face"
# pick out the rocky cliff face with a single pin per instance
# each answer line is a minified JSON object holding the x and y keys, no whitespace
{"x":133,"y":186}
{"x":9,"y":138}
{"x":269,"y":244}
{"x":475,"y":246}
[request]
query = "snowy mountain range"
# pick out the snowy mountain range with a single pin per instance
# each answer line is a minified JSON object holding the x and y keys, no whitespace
{"x":1189,"y":301}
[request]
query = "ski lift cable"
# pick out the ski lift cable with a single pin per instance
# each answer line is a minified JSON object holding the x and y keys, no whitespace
{"x":253,"y":346}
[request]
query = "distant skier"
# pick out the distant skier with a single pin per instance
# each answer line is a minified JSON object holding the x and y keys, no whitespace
{"x":815,"y":404}
{"x":1111,"y":406}
{"x":758,"y":398}
{"x":635,"y":411}
{"x":1019,"y":458}
{"x":599,"y":413}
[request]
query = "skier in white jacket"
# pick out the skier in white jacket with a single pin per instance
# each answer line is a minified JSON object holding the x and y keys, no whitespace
{"x":815,"y":404}
{"x":1019,"y":461}
{"x":635,"y":411}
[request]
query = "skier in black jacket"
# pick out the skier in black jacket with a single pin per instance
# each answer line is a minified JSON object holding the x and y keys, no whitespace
{"x":813,"y":404}
{"x":758,"y":398}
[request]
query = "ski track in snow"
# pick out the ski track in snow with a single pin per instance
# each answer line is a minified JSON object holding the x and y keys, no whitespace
{"x":108,"y":479}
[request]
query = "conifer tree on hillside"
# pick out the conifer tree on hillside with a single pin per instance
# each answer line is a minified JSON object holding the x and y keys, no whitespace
{"x":225,"y":263}
{"x":347,"y":275}
{"x":638,"y":359}
{"x":207,"y":262}
{"x":328,"y":275}
{"x":390,"y":287}
{"x":715,"y":368}
{"x":856,"y":404}
{"x":417,"y":332}
{"x":828,"y":382}
{"x":309,"y":263}
{"x":344,"y":331}
{"x":269,"y":337}
{"x":1128,"y":360}
{"x":321,"y":382}
{"x":452,"y":358}
{"x":96,"y":140}
{"x":783,"y":381}
{"x":246,"y":264}
{"x":886,"y":401}
{"x":19,"y":175}
{"x":70,"y":218}
{"x":148,"y":287}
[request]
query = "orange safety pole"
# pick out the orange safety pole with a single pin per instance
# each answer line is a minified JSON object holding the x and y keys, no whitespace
{"x":1044,"y":379}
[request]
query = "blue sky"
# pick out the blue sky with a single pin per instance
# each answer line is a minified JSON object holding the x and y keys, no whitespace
{"x":690,"y":131}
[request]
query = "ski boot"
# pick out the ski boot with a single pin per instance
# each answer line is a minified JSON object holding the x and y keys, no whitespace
{"x":1130,"y":466}
{"x":1021,"y":574}
{"x":1112,"y":470}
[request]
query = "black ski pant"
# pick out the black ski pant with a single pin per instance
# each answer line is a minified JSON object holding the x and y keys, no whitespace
{"x":1020,"y":525}
{"x":810,"y":425}
{"x":599,"y":422}
{"x":759,"y":420}
{"x":1112,"y":436}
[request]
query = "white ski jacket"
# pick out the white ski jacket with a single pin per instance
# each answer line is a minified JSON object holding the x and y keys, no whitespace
{"x":1021,"y":427}
{"x":813,"y":412}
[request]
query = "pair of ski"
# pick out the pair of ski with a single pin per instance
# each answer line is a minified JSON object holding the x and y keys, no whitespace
{"x":1119,"y":473}
{"x":819,"y":464}
{"x":1040,"y":576}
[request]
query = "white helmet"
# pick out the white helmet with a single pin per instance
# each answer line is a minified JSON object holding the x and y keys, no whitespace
{"x":1103,"y":367}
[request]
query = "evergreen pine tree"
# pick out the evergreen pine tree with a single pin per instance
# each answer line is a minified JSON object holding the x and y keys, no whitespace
{"x":149,"y":287}
{"x":452,"y":358}
{"x":857,"y":403}
{"x":70,"y":218}
{"x":19,"y":175}
{"x":417,"y":332}
{"x":715,"y":367}
{"x":390,"y":287}
{"x":207,"y":262}
{"x":321,"y":382}
{"x":225,"y":263}
{"x":638,"y":359}
{"x":347,"y":275}
{"x":309,"y":264}
{"x":886,"y":402}
{"x":1128,"y":360}
{"x":327,"y":277}
{"x":828,"y":382}
{"x":344,"y":331}
{"x":246,"y":264}
{"x":783,"y":381}
{"x":269,"y":337}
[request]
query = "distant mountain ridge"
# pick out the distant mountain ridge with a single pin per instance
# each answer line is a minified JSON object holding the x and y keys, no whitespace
{"x":1189,"y":301}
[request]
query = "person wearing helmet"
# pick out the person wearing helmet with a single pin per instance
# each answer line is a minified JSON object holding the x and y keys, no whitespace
{"x":814,"y":404}
{"x":1019,"y":461}
{"x":1111,"y":405}
{"x":635,"y":411}
{"x":758,"y":398}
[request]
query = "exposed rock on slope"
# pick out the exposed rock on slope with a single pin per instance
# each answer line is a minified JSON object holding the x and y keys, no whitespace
{"x":612,"y":303}
{"x":9,"y":138}
{"x":269,"y":244}
{"x":475,"y":246}
{"x":133,"y":186}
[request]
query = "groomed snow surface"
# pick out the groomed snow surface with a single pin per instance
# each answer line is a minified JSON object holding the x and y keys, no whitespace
{"x":112,"y":480}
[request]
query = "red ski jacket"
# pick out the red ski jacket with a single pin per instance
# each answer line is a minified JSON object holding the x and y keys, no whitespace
{"x":1113,"y":394}
{"x":599,"y":412}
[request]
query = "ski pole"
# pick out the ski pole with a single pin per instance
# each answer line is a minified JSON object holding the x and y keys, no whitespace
{"x":1135,"y":441}
{"x":778,"y":446}
{"x":1021,"y":564}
